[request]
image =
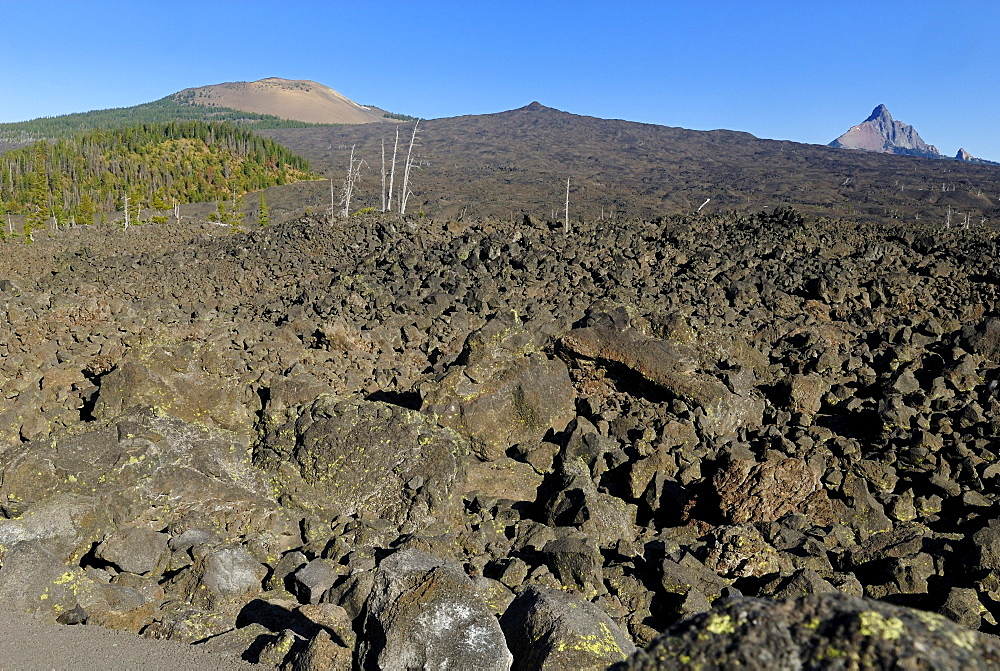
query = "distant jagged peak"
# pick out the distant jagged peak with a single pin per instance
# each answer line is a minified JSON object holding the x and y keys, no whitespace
{"x":963,"y":155}
{"x":880,"y":112}
{"x":881,"y":133}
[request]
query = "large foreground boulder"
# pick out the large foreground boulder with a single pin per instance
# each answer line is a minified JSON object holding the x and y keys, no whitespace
{"x":426,"y":613}
{"x":34,"y":580}
{"x":142,"y":471}
{"x":346,"y":455}
{"x":67,"y":525}
{"x":551,"y":629}
{"x":828,"y":631}
{"x":186,"y":380}
{"x":672,"y":366}
{"x":503,"y":392}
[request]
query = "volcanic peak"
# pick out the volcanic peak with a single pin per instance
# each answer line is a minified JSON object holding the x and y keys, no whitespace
{"x":881,"y":133}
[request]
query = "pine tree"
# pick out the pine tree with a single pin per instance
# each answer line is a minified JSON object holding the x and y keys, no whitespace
{"x":159,"y":201}
{"x":38,"y":200}
{"x":159,"y":205}
{"x":263,"y":214}
{"x":85,"y":210}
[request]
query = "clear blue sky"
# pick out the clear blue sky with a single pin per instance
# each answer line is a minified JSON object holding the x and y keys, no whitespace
{"x":803,"y":71}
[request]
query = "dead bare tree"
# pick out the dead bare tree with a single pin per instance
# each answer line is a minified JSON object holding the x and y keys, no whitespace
{"x":566,"y":223}
{"x":392,"y":174}
{"x":350,"y":181}
{"x":383,"y":174}
{"x":405,"y":193}
{"x":125,"y":198}
{"x":702,"y":205}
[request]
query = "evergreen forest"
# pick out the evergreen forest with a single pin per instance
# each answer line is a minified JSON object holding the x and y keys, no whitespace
{"x":166,"y":109}
{"x":74,"y":179}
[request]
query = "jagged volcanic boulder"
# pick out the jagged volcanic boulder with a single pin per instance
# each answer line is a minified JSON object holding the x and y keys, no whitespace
{"x":670,"y":365}
{"x":576,"y":502}
{"x":141,"y":471}
{"x":349,"y":455}
{"x":749,"y":491}
{"x":222,"y":579}
{"x":67,"y":525}
{"x":503,"y":391}
{"x":425,"y":613}
{"x":551,"y":629}
{"x":816,"y":632}
{"x":34,"y":580}
{"x":186,"y":380}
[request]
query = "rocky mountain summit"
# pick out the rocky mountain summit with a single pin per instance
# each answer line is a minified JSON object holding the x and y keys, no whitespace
{"x":881,"y":133}
{"x":966,"y":157}
{"x":387,"y":442}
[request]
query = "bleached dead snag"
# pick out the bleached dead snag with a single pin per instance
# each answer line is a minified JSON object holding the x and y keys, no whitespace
{"x":566,"y":224}
{"x":392,"y":174}
{"x":405,"y":193}
{"x":702,"y":205}
{"x":353,"y":175}
{"x":125,"y":198}
{"x":383,"y":174}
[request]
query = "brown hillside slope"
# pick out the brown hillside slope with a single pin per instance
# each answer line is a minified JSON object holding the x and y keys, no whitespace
{"x":299,"y":100}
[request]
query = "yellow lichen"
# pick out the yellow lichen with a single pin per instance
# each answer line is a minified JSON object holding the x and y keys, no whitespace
{"x":602,"y":644}
{"x":932,"y":621}
{"x":873,"y":624}
{"x":720,"y":624}
{"x":964,"y":639}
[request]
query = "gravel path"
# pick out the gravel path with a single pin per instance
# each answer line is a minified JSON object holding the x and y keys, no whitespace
{"x":27,"y":642}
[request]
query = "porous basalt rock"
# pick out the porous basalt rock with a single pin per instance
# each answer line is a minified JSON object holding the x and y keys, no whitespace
{"x":549,"y":629}
{"x":356,"y":456}
{"x":425,"y":612}
{"x":764,"y":492}
{"x":503,"y":391}
{"x":824,"y":631}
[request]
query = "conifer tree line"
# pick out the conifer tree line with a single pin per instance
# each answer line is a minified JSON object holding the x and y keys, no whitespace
{"x":149,"y":166}
{"x":171,"y":108}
